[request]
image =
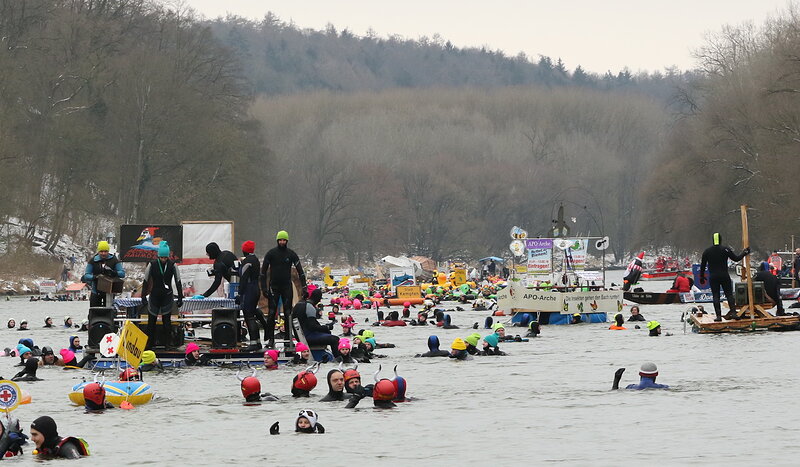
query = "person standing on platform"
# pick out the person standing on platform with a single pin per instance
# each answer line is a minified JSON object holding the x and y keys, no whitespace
{"x":796,"y":272}
{"x":224,"y":265}
{"x":158,"y":279}
{"x":716,"y":259}
{"x":277,"y":268}
{"x":101,"y":264}
{"x":248,"y":293}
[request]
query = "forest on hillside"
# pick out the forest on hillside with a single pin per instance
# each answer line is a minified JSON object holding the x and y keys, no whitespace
{"x":127,"y":111}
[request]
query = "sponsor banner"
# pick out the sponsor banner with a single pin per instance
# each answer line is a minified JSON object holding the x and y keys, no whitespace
{"x":578,"y":251}
{"x":139,"y":242}
{"x":540,"y":261}
{"x":606,"y":301}
{"x":539,"y":244}
{"x":591,"y":276}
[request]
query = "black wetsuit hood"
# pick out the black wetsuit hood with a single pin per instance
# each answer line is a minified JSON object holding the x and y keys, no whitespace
{"x":333,"y":395}
{"x":213,"y":250}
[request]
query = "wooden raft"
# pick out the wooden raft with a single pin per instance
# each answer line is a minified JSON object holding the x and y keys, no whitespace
{"x":705,"y":324}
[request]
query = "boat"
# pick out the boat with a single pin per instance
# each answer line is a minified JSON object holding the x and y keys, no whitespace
{"x":656,"y":275}
{"x":652,"y":298}
{"x":135,"y":392}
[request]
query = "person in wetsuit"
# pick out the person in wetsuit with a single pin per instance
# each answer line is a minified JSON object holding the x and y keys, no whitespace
{"x":772,"y":285}
{"x":335,"y":387}
{"x":224,"y":264}
{"x":316,"y":334}
{"x":101,"y":264}
{"x":44,"y":433}
{"x":11,"y":436}
{"x":248,"y":294}
{"x":158,"y":278}
{"x":716,"y":259}
{"x":647,"y":374}
{"x":277,"y":267}
{"x":433,"y":349}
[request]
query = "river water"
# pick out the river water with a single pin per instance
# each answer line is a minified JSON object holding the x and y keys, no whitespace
{"x":549,"y":401}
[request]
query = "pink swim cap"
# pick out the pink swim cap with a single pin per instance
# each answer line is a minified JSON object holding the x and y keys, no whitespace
{"x":273,"y":354}
{"x":191,"y":348}
{"x":344,"y":343}
{"x":300,"y":347}
{"x":67,"y":355}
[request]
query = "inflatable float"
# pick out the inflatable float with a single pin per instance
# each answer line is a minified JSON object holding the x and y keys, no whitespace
{"x":135,"y":392}
{"x":400,"y":301}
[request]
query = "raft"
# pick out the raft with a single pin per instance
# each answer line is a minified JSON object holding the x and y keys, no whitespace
{"x":135,"y":392}
{"x":706,"y":325}
{"x":393,"y":323}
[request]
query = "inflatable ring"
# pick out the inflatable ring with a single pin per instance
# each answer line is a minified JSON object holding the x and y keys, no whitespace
{"x":135,"y":392}
{"x":498,"y":313}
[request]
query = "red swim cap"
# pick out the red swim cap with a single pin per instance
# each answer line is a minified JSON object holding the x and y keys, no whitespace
{"x":249,"y":246}
{"x":129,"y":375}
{"x":305,"y":381}
{"x":250,"y":386}
{"x":95,"y":393}
{"x":384,"y":390}
{"x":351,"y":373}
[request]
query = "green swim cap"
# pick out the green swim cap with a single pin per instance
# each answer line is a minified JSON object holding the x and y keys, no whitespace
{"x":653,"y":324}
{"x":497,"y":326}
{"x":282,"y":235}
{"x":368,"y":333}
{"x":473,"y":339}
{"x":717,"y":238}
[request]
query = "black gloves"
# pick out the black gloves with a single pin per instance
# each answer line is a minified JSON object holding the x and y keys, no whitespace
{"x":274,"y":429}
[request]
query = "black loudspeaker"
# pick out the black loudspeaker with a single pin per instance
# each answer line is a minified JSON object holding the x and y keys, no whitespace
{"x":101,"y":322}
{"x":223,"y":328}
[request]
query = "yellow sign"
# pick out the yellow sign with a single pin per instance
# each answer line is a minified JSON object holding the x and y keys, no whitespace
{"x":522,"y":268}
{"x":409,"y":291}
{"x":132,"y":344}
{"x":459,"y":277}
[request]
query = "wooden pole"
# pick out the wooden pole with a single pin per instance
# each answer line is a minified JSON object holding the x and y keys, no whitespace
{"x":746,"y":269}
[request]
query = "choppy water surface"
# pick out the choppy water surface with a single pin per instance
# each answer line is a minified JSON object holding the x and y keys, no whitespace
{"x":549,"y":401}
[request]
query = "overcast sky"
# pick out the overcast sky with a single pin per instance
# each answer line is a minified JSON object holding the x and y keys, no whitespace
{"x":599,"y":35}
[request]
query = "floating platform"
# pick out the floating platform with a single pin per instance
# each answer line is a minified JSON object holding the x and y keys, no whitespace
{"x":706,"y":325}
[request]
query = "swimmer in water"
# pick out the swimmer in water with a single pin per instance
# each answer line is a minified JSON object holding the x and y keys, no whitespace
{"x":383,"y":392}
{"x":635,"y":314}
{"x":271,"y":359}
{"x":150,"y":362}
{"x":654,"y":327}
{"x":302,"y":354}
{"x":335,"y":387}
{"x":490,"y":345}
{"x":352,"y":380}
{"x":647,"y":374}
{"x":619,"y":321}
{"x":307,"y":422}
{"x":344,"y":352}
{"x":193,"y":356}
{"x":11,"y":436}
{"x":305,"y":381}
{"x":433,"y":349}
{"x":94,"y":398}
{"x":251,"y":389}
{"x":458,"y":350}
{"x":533,"y":329}
{"x":472,"y":343}
{"x":49,"y":445}
{"x":28,"y":373}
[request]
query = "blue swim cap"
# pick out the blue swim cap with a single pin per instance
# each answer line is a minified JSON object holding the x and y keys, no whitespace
{"x":163,"y":249}
{"x":492,"y":340}
{"x":433,"y":343}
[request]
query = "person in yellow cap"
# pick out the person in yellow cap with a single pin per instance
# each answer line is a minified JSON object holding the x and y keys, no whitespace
{"x":716,"y":259}
{"x":576,"y":318}
{"x":654,"y":327}
{"x":458,"y":350}
{"x":150,"y":362}
{"x":277,"y":266}
{"x":103,"y":263}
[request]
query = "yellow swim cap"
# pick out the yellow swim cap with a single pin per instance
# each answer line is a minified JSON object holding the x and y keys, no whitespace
{"x":459,"y":344}
{"x":102,"y":245}
{"x":148,"y":357}
{"x":653,"y":324}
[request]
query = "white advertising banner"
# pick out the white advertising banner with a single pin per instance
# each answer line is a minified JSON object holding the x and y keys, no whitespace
{"x":195,"y":264}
